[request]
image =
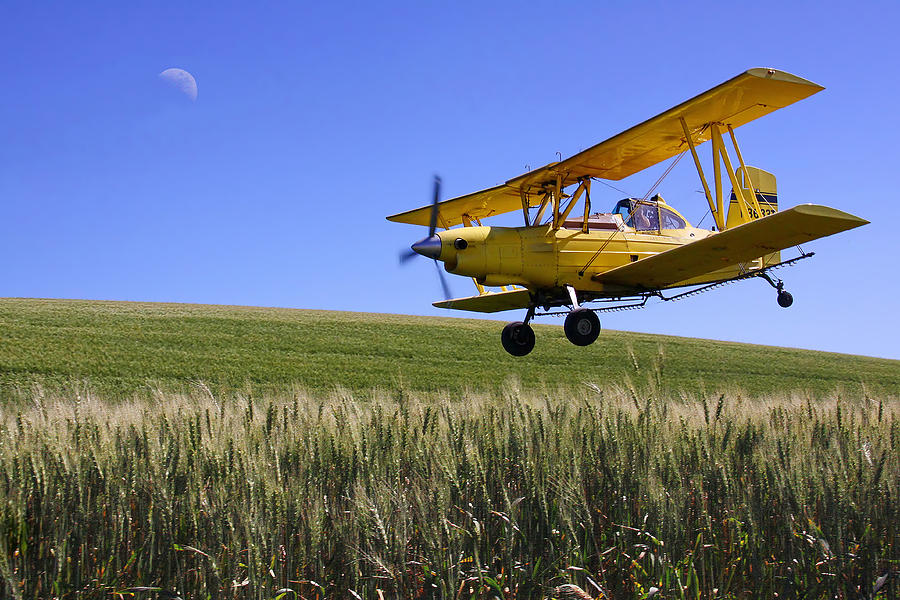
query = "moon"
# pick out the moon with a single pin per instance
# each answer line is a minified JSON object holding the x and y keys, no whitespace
{"x":181,"y":80}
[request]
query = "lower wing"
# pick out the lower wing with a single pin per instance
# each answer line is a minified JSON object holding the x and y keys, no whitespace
{"x":741,"y":244}
{"x":490,"y":301}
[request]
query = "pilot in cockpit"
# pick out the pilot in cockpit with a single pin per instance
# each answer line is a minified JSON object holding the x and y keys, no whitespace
{"x":646,"y":217}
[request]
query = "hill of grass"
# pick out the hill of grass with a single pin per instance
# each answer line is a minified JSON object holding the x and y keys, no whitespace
{"x":123,"y":348}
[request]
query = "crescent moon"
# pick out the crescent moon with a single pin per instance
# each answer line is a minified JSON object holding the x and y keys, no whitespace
{"x":182,"y":80}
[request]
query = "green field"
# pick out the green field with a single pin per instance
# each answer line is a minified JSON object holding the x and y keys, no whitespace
{"x":225,"y":452}
{"x":118,"y":349}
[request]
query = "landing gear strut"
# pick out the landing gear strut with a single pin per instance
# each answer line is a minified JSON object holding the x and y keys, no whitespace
{"x":518,"y":337}
{"x":784,"y":297}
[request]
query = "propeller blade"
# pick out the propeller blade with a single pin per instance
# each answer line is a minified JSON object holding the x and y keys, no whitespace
{"x":431,"y":246}
{"x":434,"y":206}
{"x":406,"y":255}
{"x":444,"y":285}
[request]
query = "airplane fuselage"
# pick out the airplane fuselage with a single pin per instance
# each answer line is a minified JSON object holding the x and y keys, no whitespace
{"x":540,"y":257}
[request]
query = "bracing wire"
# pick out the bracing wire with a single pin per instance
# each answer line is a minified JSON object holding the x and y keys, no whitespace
{"x":612,"y":187}
{"x":664,"y":175}
{"x":700,"y":222}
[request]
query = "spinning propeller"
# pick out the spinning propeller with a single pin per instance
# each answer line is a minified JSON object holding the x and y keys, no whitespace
{"x":430,"y":247}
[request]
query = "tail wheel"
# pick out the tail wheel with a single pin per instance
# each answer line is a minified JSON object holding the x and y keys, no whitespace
{"x":582,"y":327}
{"x":785,"y":299}
{"x":517,"y":338}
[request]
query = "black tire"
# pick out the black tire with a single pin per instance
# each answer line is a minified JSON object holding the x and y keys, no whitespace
{"x":517,"y":338}
{"x":582,"y":327}
{"x":785,"y":299}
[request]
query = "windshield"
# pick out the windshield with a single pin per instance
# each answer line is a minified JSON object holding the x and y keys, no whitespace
{"x":623,"y":208}
{"x":648,"y":216}
{"x":670,"y":220}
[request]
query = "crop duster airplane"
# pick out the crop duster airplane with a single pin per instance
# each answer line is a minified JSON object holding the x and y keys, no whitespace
{"x":644,"y":247}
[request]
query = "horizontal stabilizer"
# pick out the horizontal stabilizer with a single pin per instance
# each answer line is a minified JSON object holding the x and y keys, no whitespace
{"x":490,"y":302}
{"x":742,"y":244}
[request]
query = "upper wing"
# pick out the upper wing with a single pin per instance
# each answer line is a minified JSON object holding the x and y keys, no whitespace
{"x":739,"y":244}
{"x":490,"y":301}
{"x":478,"y":205}
{"x":739,"y":100}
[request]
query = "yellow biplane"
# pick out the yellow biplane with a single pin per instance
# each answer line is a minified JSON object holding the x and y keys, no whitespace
{"x":564,"y":258}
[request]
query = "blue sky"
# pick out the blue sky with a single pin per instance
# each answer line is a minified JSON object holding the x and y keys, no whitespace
{"x":316,"y":120}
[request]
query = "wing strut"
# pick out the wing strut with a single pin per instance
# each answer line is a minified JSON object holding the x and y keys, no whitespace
{"x":525,"y":205}
{"x":582,"y":186}
{"x":712,"y":205}
{"x":740,"y":156}
{"x":743,"y":204}
{"x":585,"y":227}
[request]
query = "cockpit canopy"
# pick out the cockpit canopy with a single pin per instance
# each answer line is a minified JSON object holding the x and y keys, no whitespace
{"x":648,"y":215}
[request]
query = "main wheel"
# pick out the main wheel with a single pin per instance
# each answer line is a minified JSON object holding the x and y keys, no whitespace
{"x":785,"y":299}
{"x":517,"y":338}
{"x":582,"y":327}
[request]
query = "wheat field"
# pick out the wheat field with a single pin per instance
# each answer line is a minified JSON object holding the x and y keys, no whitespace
{"x":395,"y":495}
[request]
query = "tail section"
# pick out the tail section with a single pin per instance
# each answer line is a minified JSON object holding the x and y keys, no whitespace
{"x":762,"y":186}
{"x":760,"y":196}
